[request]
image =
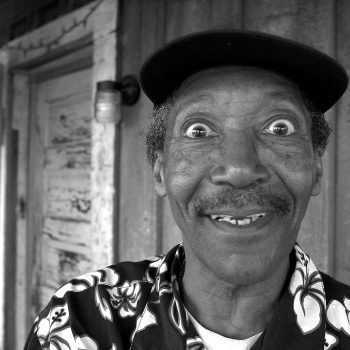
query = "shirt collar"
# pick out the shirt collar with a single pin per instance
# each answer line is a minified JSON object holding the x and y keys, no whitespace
{"x":298,"y":323}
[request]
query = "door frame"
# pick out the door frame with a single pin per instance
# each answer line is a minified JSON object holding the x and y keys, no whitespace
{"x":22,"y":61}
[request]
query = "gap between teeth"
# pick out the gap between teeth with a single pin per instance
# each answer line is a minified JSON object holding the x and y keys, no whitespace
{"x":245,"y":221}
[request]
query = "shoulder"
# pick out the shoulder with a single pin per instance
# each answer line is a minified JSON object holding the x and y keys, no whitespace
{"x":337,"y":313}
{"x":87,"y":308}
{"x":112,"y":276}
{"x":334,"y":289}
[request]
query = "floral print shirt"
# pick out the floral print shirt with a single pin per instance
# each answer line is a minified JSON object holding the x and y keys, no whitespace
{"x":137,"y":305}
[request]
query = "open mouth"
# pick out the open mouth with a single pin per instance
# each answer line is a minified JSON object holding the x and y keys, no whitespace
{"x":247,"y":220}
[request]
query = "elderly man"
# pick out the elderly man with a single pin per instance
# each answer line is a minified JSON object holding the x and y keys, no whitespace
{"x":235,"y":142}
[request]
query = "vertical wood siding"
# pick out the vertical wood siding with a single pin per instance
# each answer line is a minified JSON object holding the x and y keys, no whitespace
{"x":146,"y":225}
{"x":342,"y":136}
{"x":23,"y":280}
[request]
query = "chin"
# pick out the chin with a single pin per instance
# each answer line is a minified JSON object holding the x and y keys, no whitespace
{"x":241,"y":269}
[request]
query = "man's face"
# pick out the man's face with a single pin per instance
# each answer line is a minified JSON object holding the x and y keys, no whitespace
{"x":238,"y":169}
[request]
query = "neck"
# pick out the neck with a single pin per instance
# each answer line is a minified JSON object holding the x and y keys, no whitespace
{"x":234,"y":311}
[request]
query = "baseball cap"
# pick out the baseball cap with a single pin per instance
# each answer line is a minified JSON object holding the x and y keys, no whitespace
{"x":319,"y":76}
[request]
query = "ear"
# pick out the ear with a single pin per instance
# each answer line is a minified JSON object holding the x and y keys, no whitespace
{"x":319,"y":172}
{"x":158,"y":175}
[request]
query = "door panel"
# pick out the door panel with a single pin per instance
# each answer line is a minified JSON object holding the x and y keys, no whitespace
{"x":59,"y":199}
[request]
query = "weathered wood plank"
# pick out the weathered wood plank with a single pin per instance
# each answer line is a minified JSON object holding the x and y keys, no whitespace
{"x":72,"y":157}
{"x":35,"y":205}
{"x":70,"y":118}
{"x":104,"y":140}
{"x":20,"y":108}
{"x":74,"y":232}
{"x":62,"y":260}
{"x":10,"y":238}
{"x":316,"y":26}
{"x":342,"y":205}
{"x":226,"y":14}
{"x":185,"y":17}
{"x":272,"y":16}
{"x":3,"y":122}
{"x":68,"y":194}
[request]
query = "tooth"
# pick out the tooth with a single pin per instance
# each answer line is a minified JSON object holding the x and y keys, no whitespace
{"x":244,"y":221}
{"x":227,"y":218}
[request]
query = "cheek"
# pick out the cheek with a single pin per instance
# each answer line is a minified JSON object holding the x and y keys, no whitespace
{"x":297,"y":171}
{"x":183,"y":171}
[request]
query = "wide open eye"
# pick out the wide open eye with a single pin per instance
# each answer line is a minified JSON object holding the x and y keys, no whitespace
{"x":281,"y":127}
{"x":198,"y":130}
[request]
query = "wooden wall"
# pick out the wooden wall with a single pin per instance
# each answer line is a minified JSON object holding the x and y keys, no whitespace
{"x":146,"y":226}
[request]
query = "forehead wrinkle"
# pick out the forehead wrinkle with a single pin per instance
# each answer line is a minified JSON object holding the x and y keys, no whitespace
{"x":291,"y":92}
{"x":196,"y":100}
{"x":292,"y":98}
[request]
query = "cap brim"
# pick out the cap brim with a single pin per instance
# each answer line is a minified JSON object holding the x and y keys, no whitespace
{"x":319,"y":76}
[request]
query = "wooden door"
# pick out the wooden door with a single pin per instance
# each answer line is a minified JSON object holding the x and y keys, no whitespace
{"x":59,"y":174}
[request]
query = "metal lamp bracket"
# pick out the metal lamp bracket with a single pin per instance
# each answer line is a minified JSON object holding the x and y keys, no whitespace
{"x":129,"y":88}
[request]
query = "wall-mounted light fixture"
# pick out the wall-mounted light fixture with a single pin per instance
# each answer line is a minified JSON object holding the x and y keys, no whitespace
{"x":110,"y":94}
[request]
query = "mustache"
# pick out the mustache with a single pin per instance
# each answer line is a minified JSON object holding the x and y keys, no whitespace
{"x":230,"y":197}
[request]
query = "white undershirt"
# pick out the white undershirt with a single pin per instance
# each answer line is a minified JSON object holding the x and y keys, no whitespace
{"x":214,"y":341}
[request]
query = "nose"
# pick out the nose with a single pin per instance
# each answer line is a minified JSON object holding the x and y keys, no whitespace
{"x":239,"y":164}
